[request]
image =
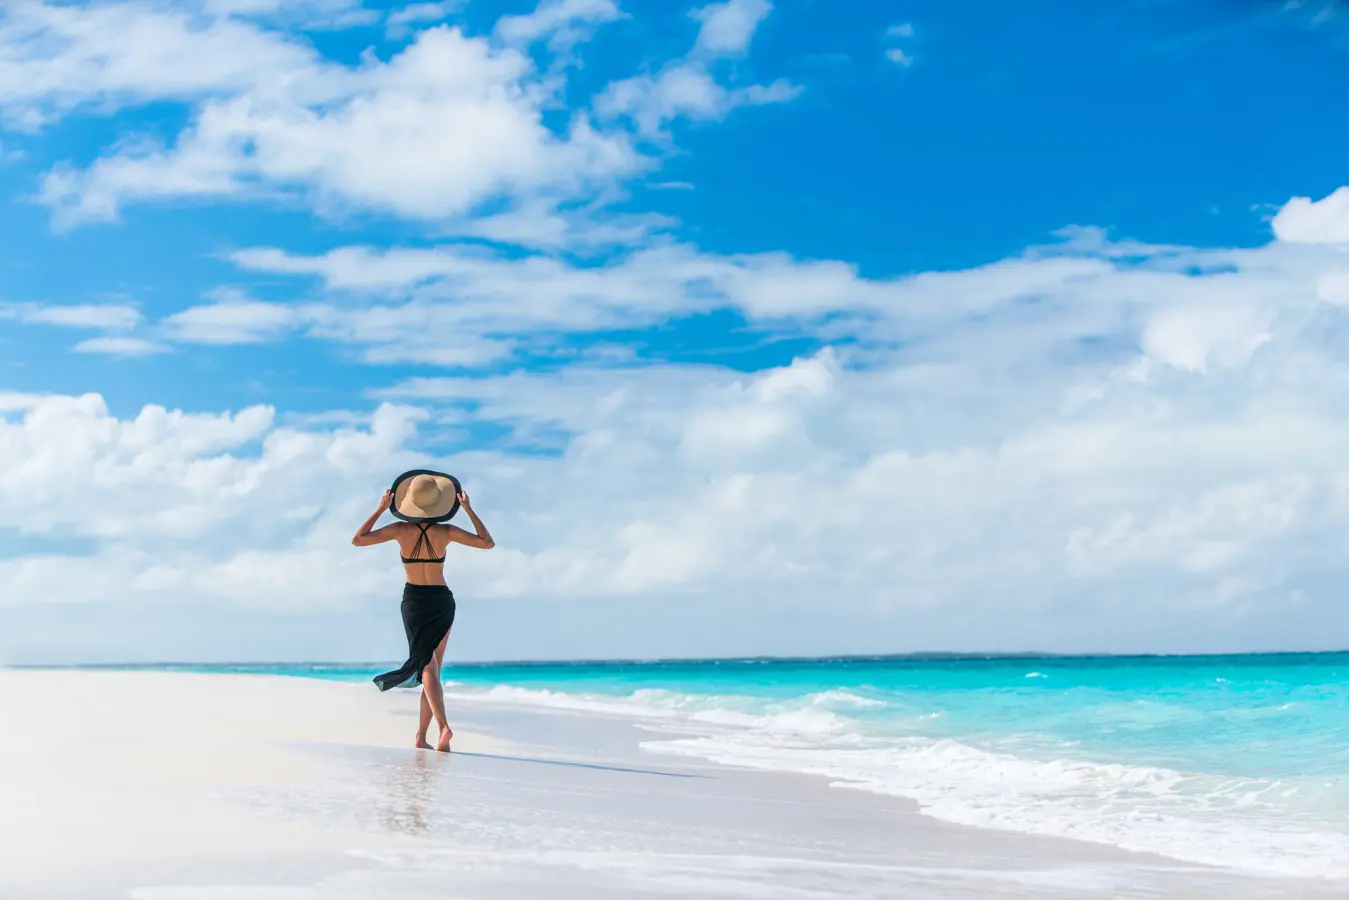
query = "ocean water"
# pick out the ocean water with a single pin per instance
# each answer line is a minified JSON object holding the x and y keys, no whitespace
{"x":1228,"y":760}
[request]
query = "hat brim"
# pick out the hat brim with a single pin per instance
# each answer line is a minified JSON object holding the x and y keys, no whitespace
{"x":403,"y":508}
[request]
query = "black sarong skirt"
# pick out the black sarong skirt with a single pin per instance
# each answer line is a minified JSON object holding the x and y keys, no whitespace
{"x":428,"y":613}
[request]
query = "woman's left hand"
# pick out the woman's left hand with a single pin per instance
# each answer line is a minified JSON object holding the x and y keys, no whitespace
{"x":386,"y":501}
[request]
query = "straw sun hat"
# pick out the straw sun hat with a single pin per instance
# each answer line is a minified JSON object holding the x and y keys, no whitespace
{"x":425,"y":496}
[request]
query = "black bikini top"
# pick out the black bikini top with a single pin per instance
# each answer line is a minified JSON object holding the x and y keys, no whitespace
{"x":423,"y":541}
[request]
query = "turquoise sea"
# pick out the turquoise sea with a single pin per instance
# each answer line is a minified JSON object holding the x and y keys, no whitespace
{"x":1211,"y":759}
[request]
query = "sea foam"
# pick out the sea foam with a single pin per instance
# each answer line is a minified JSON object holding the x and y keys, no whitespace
{"x":1266,"y":825}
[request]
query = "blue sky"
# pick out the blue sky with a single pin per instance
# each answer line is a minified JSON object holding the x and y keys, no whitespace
{"x":522,"y":233}
{"x":1164,"y":122}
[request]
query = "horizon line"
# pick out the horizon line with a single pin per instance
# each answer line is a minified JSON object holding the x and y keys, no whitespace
{"x":916,"y":656}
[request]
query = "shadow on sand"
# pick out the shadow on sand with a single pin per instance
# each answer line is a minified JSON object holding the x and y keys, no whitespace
{"x":576,"y":765}
{"x":389,"y":755}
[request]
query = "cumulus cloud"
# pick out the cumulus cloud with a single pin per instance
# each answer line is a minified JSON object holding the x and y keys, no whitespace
{"x":1306,"y":221}
{"x":921,"y":502}
{"x":449,"y":131}
{"x":1117,"y":497}
{"x":387,"y":136}
{"x":154,"y":489}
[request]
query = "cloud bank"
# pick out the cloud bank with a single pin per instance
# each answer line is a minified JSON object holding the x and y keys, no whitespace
{"x":1094,"y":444}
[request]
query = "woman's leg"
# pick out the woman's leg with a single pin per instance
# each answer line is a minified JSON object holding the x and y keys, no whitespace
{"x":434,"y":693}
{"x":425,"y":722}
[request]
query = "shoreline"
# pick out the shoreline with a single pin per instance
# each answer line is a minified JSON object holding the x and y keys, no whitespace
{"x":177,"y":782}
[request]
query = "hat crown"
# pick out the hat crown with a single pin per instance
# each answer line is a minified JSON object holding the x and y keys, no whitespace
{"x":425,"y":491}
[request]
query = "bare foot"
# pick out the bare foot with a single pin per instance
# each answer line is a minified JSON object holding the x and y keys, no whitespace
{"x":422,"y":744}
{"x":443,"y":745}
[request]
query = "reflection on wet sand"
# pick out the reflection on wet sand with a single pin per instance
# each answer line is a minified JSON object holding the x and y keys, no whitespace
{"x":402,"y":806}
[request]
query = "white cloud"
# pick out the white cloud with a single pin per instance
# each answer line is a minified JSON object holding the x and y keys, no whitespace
{"x":1334,"y":287}
{"x":899,"y":57}
{"x":155,"y":488}
{"x":1193,"y":338}
{"x":688,"y":91}
{"x":317,"y":15}
{"x":409,"y":332}
{"x":231,"y":319}
{"x":389,"y":136}
{"x":422,"y":12}
{"x":55,"y":58}
{"x":269,"y":118}
{"x":413,"y":332}
{"x":458,"y":292}
{"x":120,"y":346}
{"x":563,"y":22}
{"x":686,"y":88}
{"x":358,"y":267}
{"x":114,"y":318}
{"x":99,"y":317}
{"x":1105,"y":316}
{"x":534,"y":225}
{"x":1306,"y":221}
{"x":727,"y":28}
{"x":895,"y":492}
{"x":398,"y":23}
{"x":1136,"y":456}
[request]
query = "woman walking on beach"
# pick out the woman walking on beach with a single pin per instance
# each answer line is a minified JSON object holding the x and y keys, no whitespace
{"x":424,"y":501}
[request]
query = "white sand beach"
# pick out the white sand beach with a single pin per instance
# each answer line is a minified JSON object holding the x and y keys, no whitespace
{"x":173,"y":786}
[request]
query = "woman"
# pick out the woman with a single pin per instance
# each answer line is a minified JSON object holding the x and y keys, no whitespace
{"x":424,"y":500}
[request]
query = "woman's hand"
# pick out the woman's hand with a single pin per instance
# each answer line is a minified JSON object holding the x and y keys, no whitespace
{"x":386,"y":501}
{"x":463,"y":500}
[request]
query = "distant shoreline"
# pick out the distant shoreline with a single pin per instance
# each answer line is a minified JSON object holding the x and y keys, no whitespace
{"x":734,"y":661}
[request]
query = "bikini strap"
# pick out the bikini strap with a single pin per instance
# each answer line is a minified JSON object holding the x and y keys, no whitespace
{"x":422,"y":540}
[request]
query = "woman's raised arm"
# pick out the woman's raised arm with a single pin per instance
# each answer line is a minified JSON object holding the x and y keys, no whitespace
{"x":482,"y":539}
{"x":365,"y":537}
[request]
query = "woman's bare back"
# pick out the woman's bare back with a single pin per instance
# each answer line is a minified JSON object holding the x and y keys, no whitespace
{"x":429,"y":551}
